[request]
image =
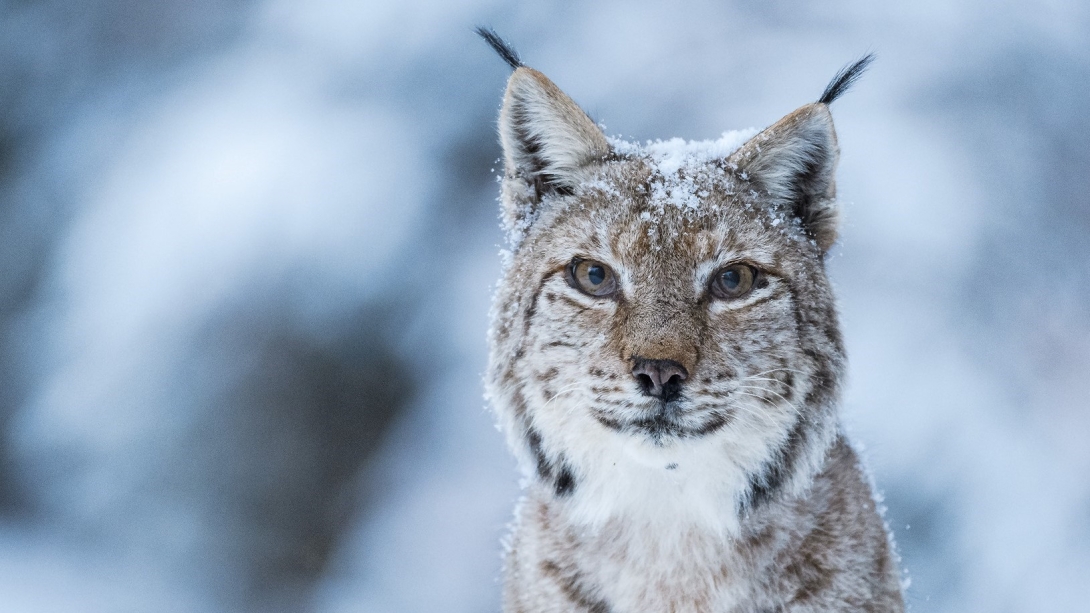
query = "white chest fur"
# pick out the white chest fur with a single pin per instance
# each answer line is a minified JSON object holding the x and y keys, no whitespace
{"x":649,"y":565}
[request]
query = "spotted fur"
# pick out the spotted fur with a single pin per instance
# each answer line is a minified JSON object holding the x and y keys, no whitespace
{"x":742,"y":495}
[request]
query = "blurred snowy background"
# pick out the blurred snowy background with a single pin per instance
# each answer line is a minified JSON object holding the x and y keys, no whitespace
{"x":246,"y":250}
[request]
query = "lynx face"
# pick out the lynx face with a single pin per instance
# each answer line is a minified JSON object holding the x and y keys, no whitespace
{"x":665,"y":316}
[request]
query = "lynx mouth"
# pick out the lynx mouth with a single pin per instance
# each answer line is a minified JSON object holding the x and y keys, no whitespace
{"x":667,"y":420}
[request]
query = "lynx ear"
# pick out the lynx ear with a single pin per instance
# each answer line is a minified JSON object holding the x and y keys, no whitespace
{"x":794,"y":163}
{"x":547,"y":139}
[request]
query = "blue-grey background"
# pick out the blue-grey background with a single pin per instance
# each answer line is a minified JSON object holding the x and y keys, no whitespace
{"x":247,"y":249}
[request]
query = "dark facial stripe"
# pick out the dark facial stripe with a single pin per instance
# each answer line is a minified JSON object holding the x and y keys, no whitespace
{"x":571,"y":583}
{"x":825,"y":382}
{"x":531,"y":310}
{"x":548,"y":375}
{"x":565,"y":481}
{"x":558,"y":473}
{"x":765,"y":484}
{"x":717,"y":421}
{"x":518,"y":403}
{"x":533,"y":441}
{"x":551,"y":344}
{"x":608,"y":422}
{"x":573,"y":303}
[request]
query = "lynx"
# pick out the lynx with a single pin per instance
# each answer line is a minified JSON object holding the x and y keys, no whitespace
{"x":666,"y":364}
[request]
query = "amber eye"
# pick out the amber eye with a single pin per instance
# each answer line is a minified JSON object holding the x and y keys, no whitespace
{"x":734,"y":281}
{"x":592,"y":278}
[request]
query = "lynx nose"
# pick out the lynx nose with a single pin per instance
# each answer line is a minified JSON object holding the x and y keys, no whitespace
{"x":659,"y":378}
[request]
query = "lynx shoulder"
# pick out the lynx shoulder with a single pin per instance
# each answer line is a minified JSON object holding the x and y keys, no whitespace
{"x":666,"y":363}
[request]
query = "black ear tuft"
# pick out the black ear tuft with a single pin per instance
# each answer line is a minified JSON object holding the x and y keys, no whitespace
{"x":500,"y":46}
{"x":844,"y":79}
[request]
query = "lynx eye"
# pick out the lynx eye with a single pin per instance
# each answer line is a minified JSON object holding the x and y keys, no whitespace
{"x":733,"y":282}
{"x":591,"y":278}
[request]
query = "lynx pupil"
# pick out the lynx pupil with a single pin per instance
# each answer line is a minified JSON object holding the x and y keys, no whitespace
{"x":596,"y":274}
{"x":731,"y":279}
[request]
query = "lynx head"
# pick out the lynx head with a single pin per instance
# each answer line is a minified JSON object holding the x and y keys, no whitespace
{"x":664,"y":320}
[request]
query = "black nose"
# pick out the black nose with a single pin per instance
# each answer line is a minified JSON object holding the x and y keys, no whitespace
{"x":659,"y":378}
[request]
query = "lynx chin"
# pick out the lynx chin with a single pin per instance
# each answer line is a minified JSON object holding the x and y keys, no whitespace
{"x":666,"y":364}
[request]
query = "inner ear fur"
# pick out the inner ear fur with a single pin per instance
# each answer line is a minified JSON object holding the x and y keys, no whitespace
{"x":794,"y":163}
{"x":547,"y":139}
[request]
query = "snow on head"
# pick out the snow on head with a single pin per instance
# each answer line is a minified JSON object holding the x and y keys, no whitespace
{"x":677,"y":162}
{"x":674,"y":154}
{"x":678,"y":167}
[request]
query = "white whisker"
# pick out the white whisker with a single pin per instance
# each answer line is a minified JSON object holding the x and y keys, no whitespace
{"x":776,"y":370}
{"x":789,"y":404}
{"x":564,"y":390}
